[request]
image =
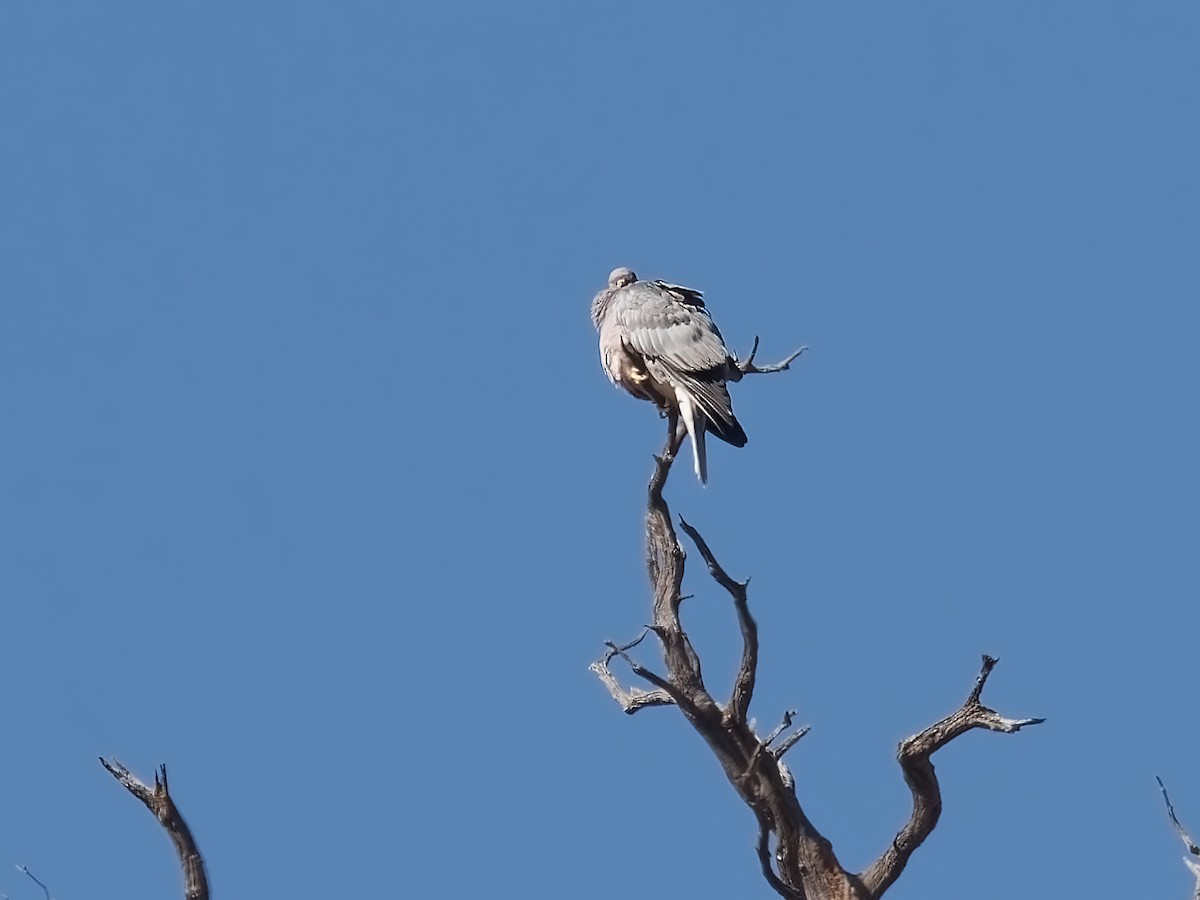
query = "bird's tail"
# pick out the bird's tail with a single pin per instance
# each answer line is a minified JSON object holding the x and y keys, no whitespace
{"x":700,"y":458}
{"x":695,"y":428}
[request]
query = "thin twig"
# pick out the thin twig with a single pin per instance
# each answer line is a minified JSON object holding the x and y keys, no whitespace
{"x":743,"y":683}
{"x":641,"y":671}
{"x":749,"y":368}
{"x":790,"y":741}
{"x":45,"y":890}
{"x":633,"y":699}
{"x":779,"y":729}
{"x":763,"y":849}
{"x":766,"y":742}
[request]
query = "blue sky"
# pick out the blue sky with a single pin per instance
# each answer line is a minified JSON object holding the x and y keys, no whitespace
{"x":313,"y":488}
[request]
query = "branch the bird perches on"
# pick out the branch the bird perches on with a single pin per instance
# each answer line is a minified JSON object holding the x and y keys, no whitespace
{"x":796,"y":859}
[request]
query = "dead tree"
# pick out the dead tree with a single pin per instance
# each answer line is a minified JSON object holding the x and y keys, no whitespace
{"x":158,"y":800}
{"x":1192,"y":849}
{"x":796,"y":859}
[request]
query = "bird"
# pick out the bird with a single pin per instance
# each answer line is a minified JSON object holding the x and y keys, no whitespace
{"x":659,"y":343}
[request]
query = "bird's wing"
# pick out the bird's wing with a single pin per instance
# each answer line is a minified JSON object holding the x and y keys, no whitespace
{"x":660,"y":322}
{"x":668,"y":326}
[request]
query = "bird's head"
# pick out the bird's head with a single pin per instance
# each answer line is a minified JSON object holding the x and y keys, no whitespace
{"x":620,"y":277}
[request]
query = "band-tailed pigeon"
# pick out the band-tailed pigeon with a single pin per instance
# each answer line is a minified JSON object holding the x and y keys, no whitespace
{"x":658,"y":342}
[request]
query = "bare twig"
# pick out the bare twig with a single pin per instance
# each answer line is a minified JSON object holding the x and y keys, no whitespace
{"x":34,"y":879}
{"x":914,"y":757}
{"x":641,"y":671}
{"x":635,"y":698}
{"x":784,"y":724}
{"x":747,"y":367}
{"x":766,"y":742}
{"x":763,"y":849}
{"x":790,"y":741}
{"x":1192,"y":848}
{"x":743,"y":684}
{"x":630,"y":700}
{"x":158,"y":800}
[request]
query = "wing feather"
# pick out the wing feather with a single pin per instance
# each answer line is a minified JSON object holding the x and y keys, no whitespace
{"x":712,"y":397}
{"x":659,"y":322}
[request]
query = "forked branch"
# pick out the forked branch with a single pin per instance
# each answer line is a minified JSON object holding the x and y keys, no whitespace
{"x":747,"y":366}
{"x":158,"y":800}
{"x":914,"y":757}
{"x":633,"y":699}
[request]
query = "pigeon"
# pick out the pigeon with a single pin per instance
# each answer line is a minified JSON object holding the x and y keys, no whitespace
{"x":659,"y":343}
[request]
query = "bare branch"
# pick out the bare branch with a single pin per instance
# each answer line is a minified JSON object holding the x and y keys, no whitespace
{"x":34,"y":879}
{"x":763,"y":848}
{"x":748,"y":367}
{"x":783,"y":725}
{"x":914,"y":757}
{"x":642,"y":672}
{"x":1194,"y":850}
{"x":766,"y":742}
{"x":158,"y":800}
{"x":635,"y":698}
{"x":743,"y":684}
{"x":790,"y":741}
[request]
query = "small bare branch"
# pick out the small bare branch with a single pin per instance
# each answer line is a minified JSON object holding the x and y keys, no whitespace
{"x":641,"y":671}
{"x":720,"y":576}
{"x":743,"y":683}
{"x":783,"y":726}
{"x":635,"y":698}
{"x":747,"y":367}
{"x":790,"y":741}
{"x":766,"y":742}
{"x":34,"y":879}
{"x":914,"y":757}
{"x":158,"y":800}
{"x":763,"y":848}
{"x":1194,"y":850}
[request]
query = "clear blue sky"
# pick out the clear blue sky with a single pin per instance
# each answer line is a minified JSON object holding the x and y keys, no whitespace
{"x":313,"y":489}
